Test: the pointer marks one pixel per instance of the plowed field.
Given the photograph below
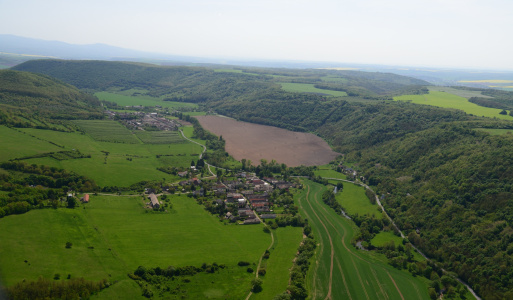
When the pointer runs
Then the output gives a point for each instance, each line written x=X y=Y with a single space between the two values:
x=255 y=142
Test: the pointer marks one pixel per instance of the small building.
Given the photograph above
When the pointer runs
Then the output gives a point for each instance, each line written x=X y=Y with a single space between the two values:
x=154 y=202
x=85 y=199
x=251 y=221
x=268 y=216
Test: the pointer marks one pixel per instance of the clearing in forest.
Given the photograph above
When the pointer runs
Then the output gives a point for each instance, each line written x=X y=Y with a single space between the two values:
x=256 y=142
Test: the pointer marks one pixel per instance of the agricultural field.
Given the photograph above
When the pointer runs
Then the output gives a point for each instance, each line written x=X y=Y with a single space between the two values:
x=342 y=272
x=354 y=201
x=256 y=142
x=127 y=100
x=160 y=137
x=309 y=88
x=113 y=235
x=107 y=131
x=276 y=279
x=447 y=100
x=109 y=164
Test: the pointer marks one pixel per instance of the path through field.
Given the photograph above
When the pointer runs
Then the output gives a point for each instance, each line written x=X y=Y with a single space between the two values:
x=342 y=272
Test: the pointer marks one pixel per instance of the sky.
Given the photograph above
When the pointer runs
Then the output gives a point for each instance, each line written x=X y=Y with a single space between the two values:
x=424 y=33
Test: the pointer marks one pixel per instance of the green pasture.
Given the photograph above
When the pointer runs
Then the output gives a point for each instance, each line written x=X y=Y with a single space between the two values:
x=17 y=143
x=108 y=131
x=286 y=242
x=113 y=235
x=354 y=201
x=111 y=164
x=385 y=237
x=309 y=88
x=351 y=273
x=188 y=131
x=495 y=131
x=126 y=100
x=328 y=172
x=447 y=100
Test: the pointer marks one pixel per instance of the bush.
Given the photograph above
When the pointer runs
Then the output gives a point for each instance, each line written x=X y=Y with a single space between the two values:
x=243 y=263
x=68 y=245
x=250 y=270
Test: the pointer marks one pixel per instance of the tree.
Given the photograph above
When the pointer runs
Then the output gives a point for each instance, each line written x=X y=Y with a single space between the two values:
x=503 y=112
x=257 y=285
x=71 y=202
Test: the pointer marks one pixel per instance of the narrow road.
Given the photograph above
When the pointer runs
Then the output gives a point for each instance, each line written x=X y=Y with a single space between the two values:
x=203 y=152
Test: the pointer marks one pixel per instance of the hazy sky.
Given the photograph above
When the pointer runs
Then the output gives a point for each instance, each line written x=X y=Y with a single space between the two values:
x=437 y=33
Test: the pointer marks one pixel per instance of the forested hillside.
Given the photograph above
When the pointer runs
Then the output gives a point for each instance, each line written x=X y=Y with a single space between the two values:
x=32 y=100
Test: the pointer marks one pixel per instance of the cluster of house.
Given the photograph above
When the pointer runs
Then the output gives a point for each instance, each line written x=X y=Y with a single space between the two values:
x=248 y=196
x=139 y=120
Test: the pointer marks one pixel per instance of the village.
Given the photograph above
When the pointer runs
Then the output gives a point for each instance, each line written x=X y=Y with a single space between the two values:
x=144 y=120
x=244 y=199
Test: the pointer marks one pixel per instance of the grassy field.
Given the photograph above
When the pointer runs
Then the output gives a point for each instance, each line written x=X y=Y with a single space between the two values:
x=16 y=143
x=123 y=165
x=342 y=272
x=113 y=235
x=447 y=100
x=309 y=88
x=327 y=172
x=384 y=237
x=107 y=131
x=286 y=242
x=125 y=100
x=354 y=201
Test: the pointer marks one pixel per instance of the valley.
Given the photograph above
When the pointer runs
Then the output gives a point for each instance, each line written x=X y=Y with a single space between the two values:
x=282 y=160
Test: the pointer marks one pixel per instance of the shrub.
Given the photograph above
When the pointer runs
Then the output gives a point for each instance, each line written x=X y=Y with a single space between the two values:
x=243 y=263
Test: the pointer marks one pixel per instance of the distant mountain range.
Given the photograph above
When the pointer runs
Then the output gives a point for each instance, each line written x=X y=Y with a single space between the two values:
x=15 y=50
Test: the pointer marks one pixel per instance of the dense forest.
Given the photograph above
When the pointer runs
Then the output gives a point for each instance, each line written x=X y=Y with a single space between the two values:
x=446 y=184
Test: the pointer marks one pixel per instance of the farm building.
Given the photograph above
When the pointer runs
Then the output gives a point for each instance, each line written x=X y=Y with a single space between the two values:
x=85 y=199
x=154 y=202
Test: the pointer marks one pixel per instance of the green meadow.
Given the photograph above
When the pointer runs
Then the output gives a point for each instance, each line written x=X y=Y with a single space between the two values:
x=354 y=201
x=385 y=237
x=309 y=88
x=113 y=235
x=110 y=163
x=327 y=172
x=342 y=272
x=126 y=100
x=276 y=279
x=447 y=100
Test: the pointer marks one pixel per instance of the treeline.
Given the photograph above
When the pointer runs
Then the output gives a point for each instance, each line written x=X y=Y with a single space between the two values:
x=75 y=288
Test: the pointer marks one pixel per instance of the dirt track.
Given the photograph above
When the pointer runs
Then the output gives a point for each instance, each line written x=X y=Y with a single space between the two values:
x=254 y=142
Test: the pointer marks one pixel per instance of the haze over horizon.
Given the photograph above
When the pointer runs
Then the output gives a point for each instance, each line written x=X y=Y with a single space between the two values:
x=436 y=33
